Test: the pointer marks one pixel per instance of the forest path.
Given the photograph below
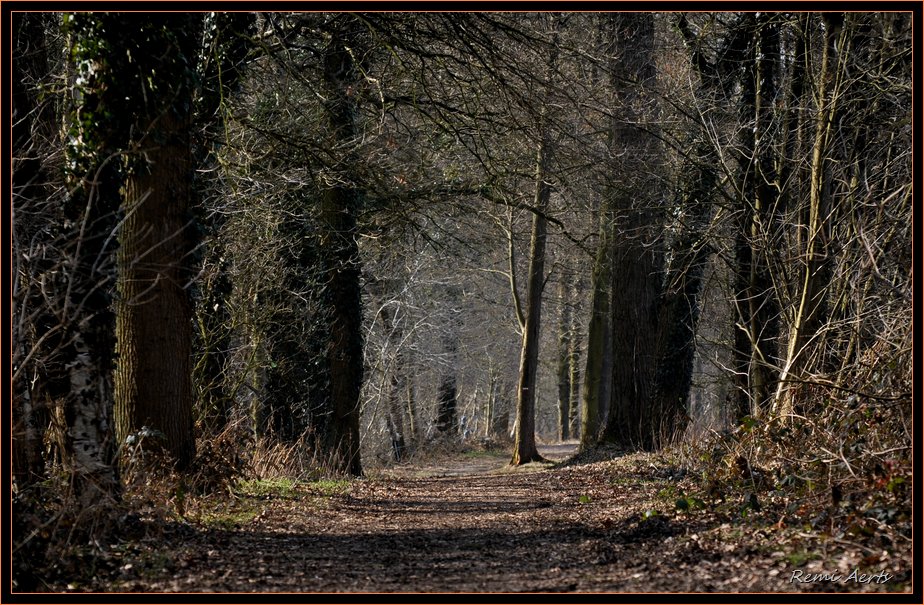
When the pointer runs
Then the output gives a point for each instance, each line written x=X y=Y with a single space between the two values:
x=473 y=524
x=480 y=462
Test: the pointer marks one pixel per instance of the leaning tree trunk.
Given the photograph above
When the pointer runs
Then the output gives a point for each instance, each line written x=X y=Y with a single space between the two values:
x=524 y=444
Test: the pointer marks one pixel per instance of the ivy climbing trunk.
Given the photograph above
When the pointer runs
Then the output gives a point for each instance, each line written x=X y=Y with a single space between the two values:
x=92 y=210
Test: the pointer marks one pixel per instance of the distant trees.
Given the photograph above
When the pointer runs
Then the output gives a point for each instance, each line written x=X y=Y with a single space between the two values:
x=227 y=43
x=569 y=378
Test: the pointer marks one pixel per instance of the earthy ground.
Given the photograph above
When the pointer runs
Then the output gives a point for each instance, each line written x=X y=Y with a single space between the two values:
x=470 y=523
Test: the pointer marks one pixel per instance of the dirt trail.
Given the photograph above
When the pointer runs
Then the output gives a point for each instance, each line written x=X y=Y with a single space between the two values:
x=471 y=524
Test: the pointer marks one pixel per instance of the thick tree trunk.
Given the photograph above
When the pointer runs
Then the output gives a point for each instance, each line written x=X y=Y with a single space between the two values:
x=154 y=316
x=679 y=307
x=344 y=351
x=635 y=293
x=339 y=207
x=678 y=312
x=637 y=262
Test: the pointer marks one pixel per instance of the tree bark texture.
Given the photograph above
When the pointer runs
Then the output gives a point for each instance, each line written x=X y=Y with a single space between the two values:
x=154 y=329
x=637 y=262
x=153 y=310
x=598 y=367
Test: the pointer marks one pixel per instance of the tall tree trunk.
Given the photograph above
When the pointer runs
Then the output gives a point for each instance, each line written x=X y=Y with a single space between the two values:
x=598 y=366
x=524 y=448
x=153 y=311
x=679 y=306
x=340 y=205
x=92 y=207
x=153 y=325
x=637 y=262
x=524 y=443
x=565 y=351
